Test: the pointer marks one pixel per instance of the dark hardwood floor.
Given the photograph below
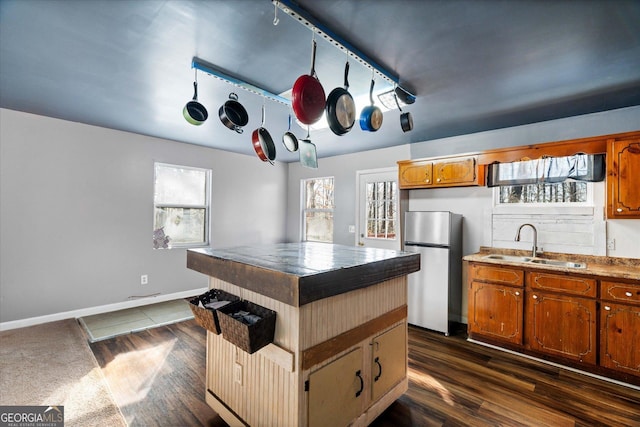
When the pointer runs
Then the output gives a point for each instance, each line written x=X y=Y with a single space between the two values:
x=157 y=377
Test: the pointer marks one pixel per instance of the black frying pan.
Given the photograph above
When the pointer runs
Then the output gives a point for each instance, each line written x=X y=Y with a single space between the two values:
x=341 y=109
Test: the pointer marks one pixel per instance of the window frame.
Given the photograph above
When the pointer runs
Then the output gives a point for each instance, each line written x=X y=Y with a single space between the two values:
x=206 y=206
x=304 y=209
x=551 y=207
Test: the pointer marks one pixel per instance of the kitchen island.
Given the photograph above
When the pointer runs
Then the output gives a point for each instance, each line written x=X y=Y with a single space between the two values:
x=339 y=353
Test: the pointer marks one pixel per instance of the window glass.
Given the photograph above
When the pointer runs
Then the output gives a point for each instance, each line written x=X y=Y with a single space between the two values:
x=181 y=206
x=318 y=210
x=381 y=209
x=561 y=192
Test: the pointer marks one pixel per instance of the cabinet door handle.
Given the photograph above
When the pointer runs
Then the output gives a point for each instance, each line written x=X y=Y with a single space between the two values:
x=438 y=179
x=535 y=297
x=517 y=293
x=377 y=377
x=629 y=294
x=358 y=374
x=606 y=307
x=619 y=209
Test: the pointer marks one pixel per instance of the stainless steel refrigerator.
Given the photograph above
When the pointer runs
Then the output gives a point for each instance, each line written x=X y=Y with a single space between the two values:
x=435 y=292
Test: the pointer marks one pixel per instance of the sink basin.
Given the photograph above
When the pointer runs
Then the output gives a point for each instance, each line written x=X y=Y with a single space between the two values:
x=514 y=258
x=570 y=264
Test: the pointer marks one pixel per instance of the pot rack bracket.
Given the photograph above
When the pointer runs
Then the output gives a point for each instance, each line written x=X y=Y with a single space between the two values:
x=212 y=70
x=292 y=9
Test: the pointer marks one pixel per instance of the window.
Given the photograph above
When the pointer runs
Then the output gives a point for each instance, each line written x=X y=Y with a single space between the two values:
x=381 y=210
x=181 y=206
x=318 y=210
x=560 y=192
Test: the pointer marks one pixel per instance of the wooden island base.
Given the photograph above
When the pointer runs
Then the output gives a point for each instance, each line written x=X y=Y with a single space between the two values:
x=335 y=361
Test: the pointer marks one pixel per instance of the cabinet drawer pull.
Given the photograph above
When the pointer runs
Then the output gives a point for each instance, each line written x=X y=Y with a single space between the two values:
x=438 y=179
x=377 y=377
x=517 y=293
x=606 y=307
x=361 y=383
x=619 y=209
x=428 y=181
x=629 y=294
x=535 y=297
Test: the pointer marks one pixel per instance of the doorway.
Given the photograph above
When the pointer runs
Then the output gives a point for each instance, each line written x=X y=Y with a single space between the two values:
x=378 y=213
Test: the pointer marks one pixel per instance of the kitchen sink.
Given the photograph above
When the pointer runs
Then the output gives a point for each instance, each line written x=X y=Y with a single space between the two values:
x=543 y=261
x=558 y=263
x=512 y=258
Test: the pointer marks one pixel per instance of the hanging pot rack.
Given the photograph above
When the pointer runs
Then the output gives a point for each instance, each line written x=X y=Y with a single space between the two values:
x=303 y=17
x=213 y=71
x=300 y=15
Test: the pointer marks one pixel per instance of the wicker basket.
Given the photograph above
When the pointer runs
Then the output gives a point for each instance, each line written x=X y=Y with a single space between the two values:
x=249 y=338
x=208 y=317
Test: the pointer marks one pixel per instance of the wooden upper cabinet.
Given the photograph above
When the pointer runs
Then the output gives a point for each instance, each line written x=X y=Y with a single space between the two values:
x=623 y=178
x=416 y=174
x=455 y=172
x=440 y=172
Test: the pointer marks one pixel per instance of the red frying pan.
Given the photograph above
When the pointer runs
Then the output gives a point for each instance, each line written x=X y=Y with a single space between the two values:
x=307 y=96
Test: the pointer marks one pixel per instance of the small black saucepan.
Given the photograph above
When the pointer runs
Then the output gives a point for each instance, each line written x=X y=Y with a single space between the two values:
x=341 y=109
x=371 y=116
x=289 y=140
x=194 y=112
x=233 y=115
x=406 y=121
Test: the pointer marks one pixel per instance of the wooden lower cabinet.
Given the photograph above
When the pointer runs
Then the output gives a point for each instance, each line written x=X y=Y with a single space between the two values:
x=495 y=302
x=574 y=319
x=561 y=325
x=389 y=360
x=337 y=392
x=620 y=326
x=495 y=311
x=620 y=337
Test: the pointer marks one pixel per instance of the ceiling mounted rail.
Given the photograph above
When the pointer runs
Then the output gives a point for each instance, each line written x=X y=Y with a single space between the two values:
x=210 y=69
x=294 y=10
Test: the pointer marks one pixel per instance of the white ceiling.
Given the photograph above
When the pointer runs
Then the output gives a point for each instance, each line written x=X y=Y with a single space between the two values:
x=474 y=65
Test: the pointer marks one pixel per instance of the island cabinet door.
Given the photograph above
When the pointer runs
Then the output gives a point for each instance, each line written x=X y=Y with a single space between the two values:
x=496 y=311
x=336 y=391
x=620 y=337
x=389 y=360
x=561 y=325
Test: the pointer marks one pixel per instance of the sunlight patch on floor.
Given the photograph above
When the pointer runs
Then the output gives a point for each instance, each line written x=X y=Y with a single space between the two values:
x=427 y=381
x=132 y=374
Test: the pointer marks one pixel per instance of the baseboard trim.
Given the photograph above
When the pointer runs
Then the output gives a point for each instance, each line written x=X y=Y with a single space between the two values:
x=557 y=365
x=15 y=324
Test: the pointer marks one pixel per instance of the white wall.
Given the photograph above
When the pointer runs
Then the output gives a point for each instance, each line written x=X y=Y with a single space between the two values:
x=76 y=213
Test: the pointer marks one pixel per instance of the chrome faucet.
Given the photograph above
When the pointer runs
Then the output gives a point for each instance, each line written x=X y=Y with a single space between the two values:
x=535 y=238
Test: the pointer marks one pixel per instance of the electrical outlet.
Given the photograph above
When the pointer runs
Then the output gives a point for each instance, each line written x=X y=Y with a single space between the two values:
x=144 y=279
x=352 y=229
x=611 y=244
x=237 y=373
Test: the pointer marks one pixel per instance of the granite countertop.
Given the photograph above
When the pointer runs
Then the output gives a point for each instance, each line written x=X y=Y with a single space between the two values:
x=601 y=266
x=299 y=273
